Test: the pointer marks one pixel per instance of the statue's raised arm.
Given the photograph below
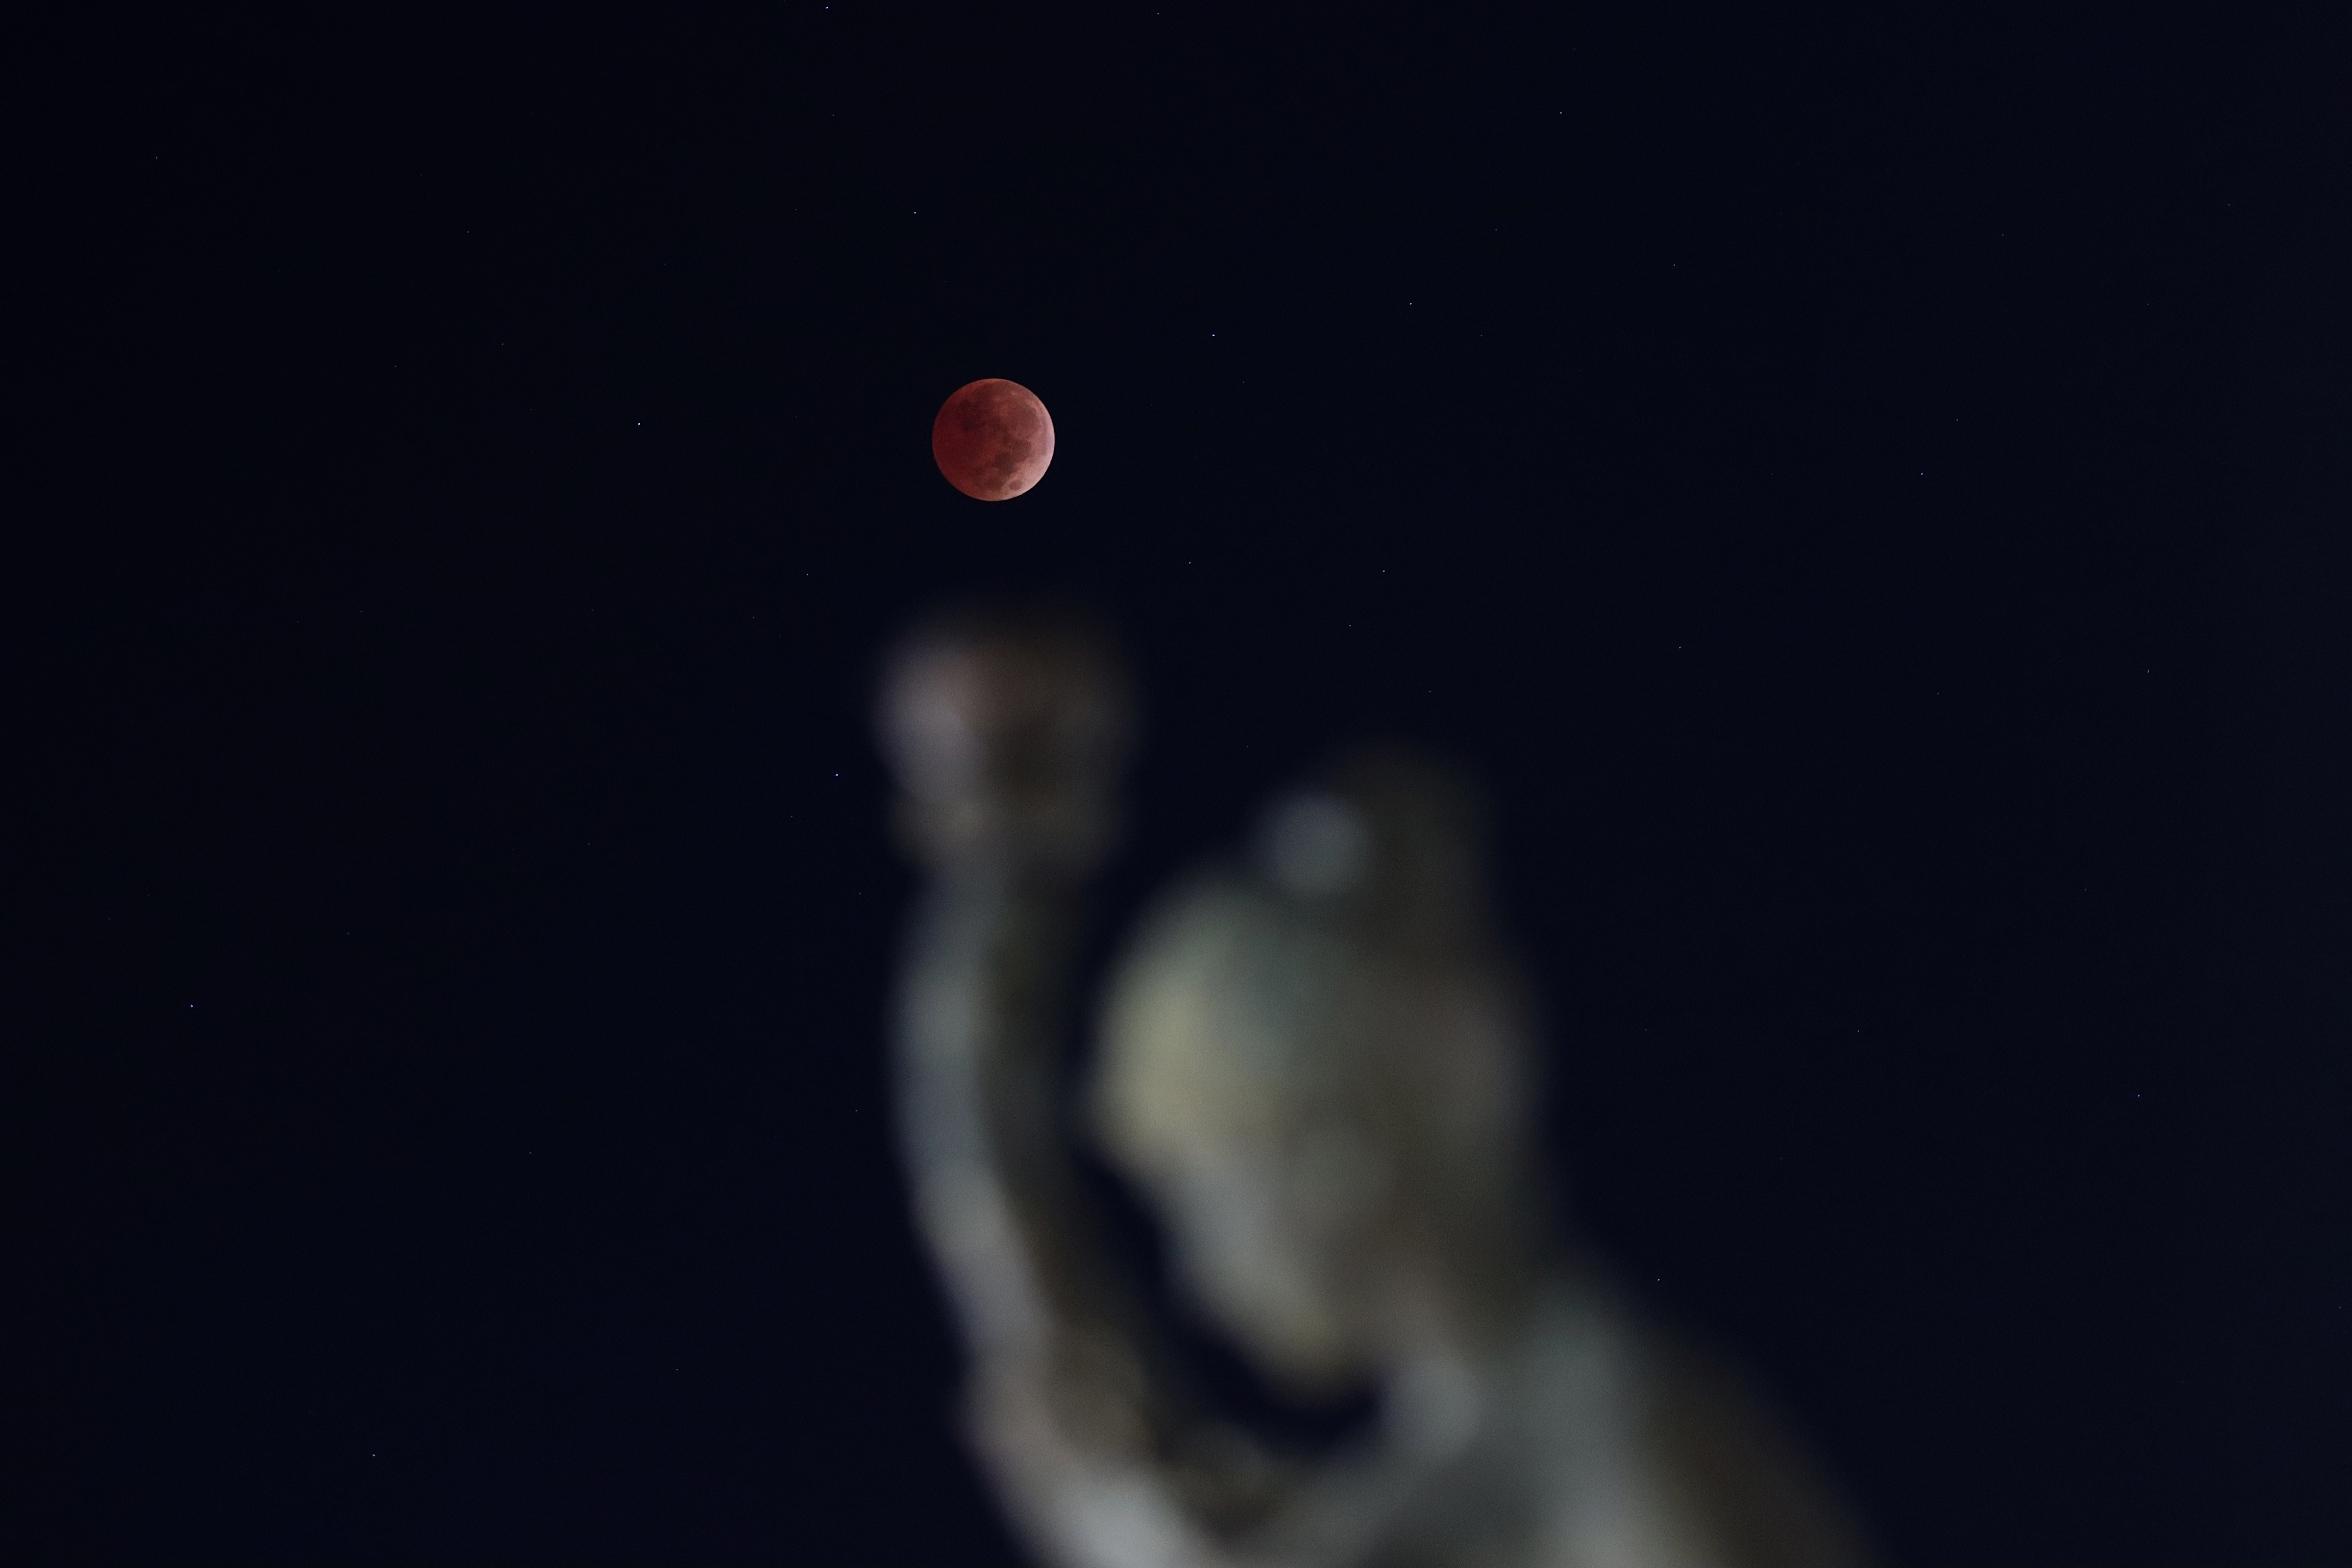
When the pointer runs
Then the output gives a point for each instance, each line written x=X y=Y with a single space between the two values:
x=1318 y=1063
x=1007 y=735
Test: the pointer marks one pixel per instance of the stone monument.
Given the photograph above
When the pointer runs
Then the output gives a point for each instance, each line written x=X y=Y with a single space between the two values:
x=1318 y=1063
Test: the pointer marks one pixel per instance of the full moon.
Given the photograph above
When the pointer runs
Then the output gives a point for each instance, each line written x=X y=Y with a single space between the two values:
x=993 y=439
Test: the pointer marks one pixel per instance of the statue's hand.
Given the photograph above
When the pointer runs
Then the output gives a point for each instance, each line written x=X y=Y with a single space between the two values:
x=1005 y=735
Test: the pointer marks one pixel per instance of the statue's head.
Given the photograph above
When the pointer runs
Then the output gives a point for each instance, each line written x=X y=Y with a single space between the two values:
x=1317 y=1065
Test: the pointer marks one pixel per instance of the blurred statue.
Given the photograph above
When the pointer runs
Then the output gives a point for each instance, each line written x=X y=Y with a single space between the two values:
x=1317 y=1065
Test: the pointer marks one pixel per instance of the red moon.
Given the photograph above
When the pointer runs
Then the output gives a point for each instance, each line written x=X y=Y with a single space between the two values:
x=993 y=439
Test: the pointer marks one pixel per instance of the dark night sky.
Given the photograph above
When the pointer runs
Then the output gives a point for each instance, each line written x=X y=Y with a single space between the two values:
x=1863 y=486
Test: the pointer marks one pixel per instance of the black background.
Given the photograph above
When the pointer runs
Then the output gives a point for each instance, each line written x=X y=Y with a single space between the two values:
x=1862 y=485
